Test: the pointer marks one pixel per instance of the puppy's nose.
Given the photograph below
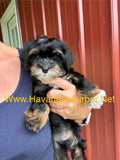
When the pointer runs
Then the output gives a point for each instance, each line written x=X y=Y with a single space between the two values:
x=45 y=70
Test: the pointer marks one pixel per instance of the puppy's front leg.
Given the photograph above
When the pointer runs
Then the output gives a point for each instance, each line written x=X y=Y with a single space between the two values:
x=36 y=116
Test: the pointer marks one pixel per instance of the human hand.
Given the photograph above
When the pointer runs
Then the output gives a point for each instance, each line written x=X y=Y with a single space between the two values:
x=68 y=109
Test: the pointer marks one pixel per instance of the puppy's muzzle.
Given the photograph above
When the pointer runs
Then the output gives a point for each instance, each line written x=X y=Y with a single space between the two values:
x=44 y=68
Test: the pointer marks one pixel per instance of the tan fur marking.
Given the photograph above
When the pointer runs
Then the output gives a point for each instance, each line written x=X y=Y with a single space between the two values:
x=36 y=120
x=37 y=89
x=70 y=76
x=89 y=94
x=95 y=91
x=78 y=153
x=33 y=69
x=57 y=51
x=51 y=74
x=57 y=69
x=75 y=139
x=34 y=51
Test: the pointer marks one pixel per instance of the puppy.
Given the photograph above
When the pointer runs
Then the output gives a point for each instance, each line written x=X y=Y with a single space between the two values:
x=46 y=59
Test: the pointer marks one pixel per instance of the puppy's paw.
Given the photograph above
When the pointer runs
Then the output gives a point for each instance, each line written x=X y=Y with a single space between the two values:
x=36 y=120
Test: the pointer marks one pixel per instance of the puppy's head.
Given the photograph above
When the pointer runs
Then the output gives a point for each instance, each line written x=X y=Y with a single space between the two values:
x=46 y=58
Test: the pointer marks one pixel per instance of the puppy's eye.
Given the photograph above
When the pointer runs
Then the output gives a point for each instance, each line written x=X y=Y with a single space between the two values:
x=37 y=56
x=52 y=64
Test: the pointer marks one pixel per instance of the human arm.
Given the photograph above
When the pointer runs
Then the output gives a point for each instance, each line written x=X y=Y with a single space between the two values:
x=10 y=70
x=7 y=52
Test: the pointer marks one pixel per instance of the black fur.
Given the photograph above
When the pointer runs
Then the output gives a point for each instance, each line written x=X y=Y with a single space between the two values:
x=45 y=54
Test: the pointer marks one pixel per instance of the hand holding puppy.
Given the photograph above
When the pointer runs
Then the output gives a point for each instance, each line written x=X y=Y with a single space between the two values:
x=68 y=110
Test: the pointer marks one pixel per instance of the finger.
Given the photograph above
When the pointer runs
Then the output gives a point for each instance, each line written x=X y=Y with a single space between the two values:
x=52 y=109
x=61 y=83
x=57 y=105
x=55 y=110
x=55 y=93
x=79 y=121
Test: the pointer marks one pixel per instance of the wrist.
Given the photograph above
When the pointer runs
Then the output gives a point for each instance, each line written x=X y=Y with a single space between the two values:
x=86 y=120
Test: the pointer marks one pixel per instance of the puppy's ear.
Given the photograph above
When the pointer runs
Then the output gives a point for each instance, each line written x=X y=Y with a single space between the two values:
x=24 y=55
x=34 y=51
x=69 y=58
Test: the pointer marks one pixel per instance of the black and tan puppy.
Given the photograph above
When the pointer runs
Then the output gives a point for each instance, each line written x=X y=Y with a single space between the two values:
x=46 y=59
